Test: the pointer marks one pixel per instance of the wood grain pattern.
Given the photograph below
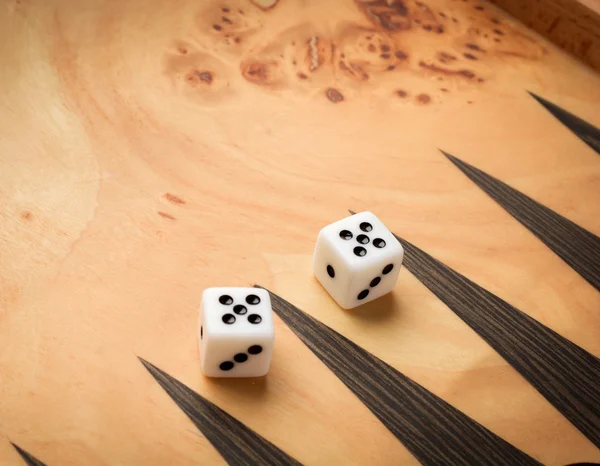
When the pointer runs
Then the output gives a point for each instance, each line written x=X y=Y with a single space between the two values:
x=574 y=25
x=29 y=459
x=565 y=374
x=575 y=245
x=434 y=431
x=238 y=444
x=150 y=149
x=588 y=133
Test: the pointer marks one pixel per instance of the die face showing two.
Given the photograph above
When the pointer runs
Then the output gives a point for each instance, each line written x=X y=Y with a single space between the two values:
x=357 y=259
x=235 y=332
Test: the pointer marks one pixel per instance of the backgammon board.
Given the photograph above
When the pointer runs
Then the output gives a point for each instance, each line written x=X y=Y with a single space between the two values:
x=152 y=149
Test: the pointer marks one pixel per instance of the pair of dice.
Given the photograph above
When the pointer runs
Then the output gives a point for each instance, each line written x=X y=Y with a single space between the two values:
x=356 y=259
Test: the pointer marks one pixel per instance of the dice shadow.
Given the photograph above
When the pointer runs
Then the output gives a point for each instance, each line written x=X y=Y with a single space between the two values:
x=378 y=310
x=246 y=388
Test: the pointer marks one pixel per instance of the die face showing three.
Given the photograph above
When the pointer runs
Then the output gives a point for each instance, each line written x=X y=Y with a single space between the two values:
x=357 y=259
x=235 y=332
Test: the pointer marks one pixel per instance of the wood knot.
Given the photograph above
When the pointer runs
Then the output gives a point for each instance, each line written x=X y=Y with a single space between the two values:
x=334 y=95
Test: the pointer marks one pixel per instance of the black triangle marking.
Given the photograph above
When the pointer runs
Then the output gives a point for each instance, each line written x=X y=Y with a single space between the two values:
x=29 y=459
x=575 y=245
x=564 y=373
x=585 y=131
x=435 y=432
x=237 y=444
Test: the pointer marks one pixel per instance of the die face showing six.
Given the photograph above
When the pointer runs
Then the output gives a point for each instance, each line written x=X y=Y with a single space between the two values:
x=357 y=259
x=235 y=332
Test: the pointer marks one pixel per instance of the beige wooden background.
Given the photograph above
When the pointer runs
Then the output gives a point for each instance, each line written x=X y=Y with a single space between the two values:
x=150 y=149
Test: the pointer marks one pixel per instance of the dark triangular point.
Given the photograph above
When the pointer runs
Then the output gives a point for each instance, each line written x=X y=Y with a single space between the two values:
x=238 y=444
x=29 y=459
x=435 y=432
x=575 y=245
x=587 y=133
x=565 y=374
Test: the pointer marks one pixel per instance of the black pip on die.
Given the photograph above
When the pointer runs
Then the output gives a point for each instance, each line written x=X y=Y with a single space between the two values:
x=357 y=259
x=235 y=332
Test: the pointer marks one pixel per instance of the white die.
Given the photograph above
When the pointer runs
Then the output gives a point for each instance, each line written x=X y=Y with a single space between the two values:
x=357 y=259
x=235 y=332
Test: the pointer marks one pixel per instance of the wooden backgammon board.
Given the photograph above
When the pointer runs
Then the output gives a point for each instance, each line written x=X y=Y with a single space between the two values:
x=152 y=149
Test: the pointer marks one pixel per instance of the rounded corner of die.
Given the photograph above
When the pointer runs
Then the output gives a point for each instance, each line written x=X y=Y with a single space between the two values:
x=262 y=373
x=208 y=292
x=261 y=293
x=209 y=374
x=400 y=250
x=321 y=235
x=364 y=215
x=347 y=306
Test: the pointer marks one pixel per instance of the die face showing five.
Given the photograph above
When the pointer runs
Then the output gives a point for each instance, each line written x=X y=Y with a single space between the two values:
x=235 y=332
x=357 y=259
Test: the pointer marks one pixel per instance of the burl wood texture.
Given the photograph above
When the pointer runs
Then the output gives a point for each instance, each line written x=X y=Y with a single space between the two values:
x=150 y=149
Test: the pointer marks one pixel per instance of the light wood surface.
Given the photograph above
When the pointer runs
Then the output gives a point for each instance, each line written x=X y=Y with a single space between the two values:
x=593 y=5
x=146 y=154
